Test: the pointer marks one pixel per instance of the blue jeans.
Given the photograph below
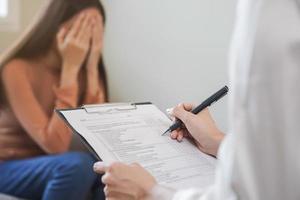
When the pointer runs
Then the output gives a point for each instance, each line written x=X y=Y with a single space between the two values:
x=55 y=177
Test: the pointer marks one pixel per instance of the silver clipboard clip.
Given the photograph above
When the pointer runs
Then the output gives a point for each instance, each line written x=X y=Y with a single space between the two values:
x=109 y=107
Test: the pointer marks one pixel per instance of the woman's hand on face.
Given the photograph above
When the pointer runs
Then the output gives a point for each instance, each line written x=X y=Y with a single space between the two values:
x=201 y=128
x=96 y=42
x=73 y=44
x=121 y=180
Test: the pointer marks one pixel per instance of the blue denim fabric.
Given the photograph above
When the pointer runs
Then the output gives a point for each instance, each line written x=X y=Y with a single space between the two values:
x=54 y=177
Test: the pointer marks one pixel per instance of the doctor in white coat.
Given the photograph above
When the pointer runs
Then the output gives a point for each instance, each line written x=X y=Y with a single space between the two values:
x=260 y=158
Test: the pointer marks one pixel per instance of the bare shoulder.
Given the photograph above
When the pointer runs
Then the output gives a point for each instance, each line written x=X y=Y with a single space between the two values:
x=15 y=71
x=15 y=68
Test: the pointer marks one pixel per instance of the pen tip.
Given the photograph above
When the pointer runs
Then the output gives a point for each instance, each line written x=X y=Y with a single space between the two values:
x=166 y=132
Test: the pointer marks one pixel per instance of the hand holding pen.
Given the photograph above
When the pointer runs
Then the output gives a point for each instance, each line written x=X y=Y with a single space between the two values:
x=200 y=128
x=198 y=125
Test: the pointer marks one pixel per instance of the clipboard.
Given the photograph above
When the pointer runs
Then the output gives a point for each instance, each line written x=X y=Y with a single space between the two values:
x=92 y=109
x=131 y=132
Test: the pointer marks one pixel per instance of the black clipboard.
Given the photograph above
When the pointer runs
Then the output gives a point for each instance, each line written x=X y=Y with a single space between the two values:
x=83 y=140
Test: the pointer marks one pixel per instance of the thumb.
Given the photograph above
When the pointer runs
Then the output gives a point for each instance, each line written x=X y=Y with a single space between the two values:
x=100 y=167
x=180 y=113
x=61 y=35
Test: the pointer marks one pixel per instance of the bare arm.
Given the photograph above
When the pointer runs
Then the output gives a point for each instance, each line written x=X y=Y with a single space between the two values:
x=49 y=133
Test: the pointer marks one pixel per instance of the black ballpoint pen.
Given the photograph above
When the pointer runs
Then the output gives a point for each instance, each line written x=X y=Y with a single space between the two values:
x=208 y=102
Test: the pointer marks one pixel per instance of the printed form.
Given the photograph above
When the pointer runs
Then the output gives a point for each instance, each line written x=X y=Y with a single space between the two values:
x=135 y=135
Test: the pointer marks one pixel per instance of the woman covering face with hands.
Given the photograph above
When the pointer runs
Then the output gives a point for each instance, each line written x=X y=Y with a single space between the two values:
x=79 y=42
x=56 y=64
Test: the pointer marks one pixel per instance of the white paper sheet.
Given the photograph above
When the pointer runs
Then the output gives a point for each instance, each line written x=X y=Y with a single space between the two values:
x=134 y=135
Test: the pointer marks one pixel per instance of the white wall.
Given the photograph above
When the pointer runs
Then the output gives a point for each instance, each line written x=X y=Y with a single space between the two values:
x=168 y=51
x=27 y=10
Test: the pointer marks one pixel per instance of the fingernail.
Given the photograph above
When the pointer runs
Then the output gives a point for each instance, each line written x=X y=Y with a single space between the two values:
x=98 y=165
x=170 y=110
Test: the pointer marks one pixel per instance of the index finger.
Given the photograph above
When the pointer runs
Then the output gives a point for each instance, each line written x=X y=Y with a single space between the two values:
x=182 y=114
x=185 y=106
x=188 y=106
x=76 y=27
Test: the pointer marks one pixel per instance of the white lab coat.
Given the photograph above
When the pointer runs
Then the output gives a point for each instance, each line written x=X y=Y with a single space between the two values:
x=260 y=157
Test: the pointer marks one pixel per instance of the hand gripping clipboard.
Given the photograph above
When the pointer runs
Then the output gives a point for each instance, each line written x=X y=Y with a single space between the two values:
x=93 y=108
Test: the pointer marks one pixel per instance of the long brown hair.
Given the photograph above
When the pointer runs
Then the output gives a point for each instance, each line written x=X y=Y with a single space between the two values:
x=43 y=34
